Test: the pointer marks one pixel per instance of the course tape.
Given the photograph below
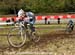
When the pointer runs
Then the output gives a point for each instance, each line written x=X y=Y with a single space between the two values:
x=43 y=17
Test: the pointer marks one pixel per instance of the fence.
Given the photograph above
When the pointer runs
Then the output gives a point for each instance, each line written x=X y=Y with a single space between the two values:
x=41 y=19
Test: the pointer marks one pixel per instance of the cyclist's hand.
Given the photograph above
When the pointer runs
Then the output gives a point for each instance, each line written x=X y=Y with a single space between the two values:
x=28 y=24
x=16 y=24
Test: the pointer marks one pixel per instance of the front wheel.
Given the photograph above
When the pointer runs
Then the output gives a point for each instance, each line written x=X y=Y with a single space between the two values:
x=16 y=37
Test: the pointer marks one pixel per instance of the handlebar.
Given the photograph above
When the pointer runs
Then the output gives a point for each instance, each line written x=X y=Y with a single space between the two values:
x=19 y=24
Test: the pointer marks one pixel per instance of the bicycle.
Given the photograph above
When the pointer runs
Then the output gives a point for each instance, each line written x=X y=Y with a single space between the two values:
x=17 y=36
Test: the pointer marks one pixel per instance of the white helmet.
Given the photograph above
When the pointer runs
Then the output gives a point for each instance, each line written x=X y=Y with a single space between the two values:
x=21 y=13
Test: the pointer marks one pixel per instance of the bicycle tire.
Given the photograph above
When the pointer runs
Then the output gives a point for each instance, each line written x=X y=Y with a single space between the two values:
x=35 y=36
x=22 y=36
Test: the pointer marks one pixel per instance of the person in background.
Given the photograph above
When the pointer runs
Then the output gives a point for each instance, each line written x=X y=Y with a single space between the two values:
x=58 y=20
x=7 y=21
x=71 y=24
x=45 y=20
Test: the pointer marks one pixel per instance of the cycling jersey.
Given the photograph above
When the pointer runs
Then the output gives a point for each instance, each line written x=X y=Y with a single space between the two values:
x=31 y=17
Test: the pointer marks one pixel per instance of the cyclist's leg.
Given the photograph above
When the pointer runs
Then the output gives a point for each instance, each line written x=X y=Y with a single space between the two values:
x=32 y=28
x=34 y=35
x=25 y=24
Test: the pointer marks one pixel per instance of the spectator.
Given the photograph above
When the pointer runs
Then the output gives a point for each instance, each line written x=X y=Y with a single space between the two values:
x=7 y=21
x=45 y=20
x=12 y=20
x=48 y=21
x=58 y=20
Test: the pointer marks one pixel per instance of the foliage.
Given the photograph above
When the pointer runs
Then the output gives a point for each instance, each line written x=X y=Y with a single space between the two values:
x=37 y=6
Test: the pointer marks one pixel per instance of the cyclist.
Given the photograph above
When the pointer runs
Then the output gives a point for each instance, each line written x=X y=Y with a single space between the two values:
x=28 y=18
x=71 y=24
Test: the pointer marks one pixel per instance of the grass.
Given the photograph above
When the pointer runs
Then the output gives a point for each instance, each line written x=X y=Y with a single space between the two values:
x=48 y=25
x=41 y=28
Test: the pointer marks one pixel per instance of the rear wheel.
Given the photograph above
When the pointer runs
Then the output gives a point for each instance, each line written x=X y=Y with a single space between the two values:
x=16 y=37
x=35 y=36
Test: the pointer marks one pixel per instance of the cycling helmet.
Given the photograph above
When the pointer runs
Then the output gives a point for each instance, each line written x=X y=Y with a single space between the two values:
x=21 y=13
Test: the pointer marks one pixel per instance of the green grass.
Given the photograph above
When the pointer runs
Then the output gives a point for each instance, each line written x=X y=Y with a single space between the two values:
x=52 y=26
x=41 y=28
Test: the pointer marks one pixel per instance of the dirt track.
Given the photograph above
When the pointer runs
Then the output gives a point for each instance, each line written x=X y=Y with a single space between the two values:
x=55 y=42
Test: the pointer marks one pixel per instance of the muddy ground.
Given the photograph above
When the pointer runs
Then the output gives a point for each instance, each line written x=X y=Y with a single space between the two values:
x=58 y=42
